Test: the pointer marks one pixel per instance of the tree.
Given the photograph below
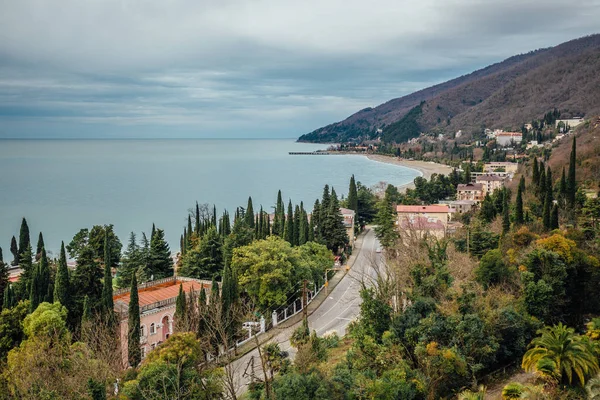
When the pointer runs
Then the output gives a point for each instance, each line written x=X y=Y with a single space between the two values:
x=94 y=239
x=279 y=217
x=505 y=213
x=558 y=354
x=554 y=217
x=288 y=230
x=23 y=285
x=4 y=282
x=40 y=246
x=87 y=278
x=134 y=354
x=386 y=229
x=11 y=327
x=87 y=311
x=562 y=189
x=161 y=263
x=14 y=249
x=536 y=172
x=519 y=215
x=249 y=216
x=180 y=310
x=572 y=179
x=334 y=232
x=107 y=287
x=24 y=240
x=40 y=283
x=492 y=269
x=488 y=211
x=133 y=260
x=205 y=260
x=353 y=195
x=62 y=287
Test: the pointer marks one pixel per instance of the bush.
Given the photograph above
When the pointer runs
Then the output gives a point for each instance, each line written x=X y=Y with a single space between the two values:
x=492 y=269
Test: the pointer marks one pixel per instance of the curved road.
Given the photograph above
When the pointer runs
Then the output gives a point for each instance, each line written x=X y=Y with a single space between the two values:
x=333 y=315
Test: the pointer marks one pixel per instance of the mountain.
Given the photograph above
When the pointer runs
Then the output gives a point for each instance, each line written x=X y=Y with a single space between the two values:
x=503 y=95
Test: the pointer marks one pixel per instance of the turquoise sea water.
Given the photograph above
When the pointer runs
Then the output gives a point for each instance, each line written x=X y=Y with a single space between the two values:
x=61 y=186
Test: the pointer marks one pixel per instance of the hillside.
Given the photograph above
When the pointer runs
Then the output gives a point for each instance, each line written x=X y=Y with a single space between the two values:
x=503 y=95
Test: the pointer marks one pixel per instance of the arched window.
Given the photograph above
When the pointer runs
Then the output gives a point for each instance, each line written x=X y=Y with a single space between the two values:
x=152 y=329
x=142 y=330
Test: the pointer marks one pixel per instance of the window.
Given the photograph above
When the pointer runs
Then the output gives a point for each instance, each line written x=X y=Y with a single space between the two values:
x=143 y=352
x=153 y=346
x=142 y=330
x=152 y=329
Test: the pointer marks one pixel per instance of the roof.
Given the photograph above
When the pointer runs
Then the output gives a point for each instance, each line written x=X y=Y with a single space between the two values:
x=461 y=202
x=509 y=134
x=489 y=178
x=422 y=223
x=160 y=292
x=469 y=186
x=347 y=211
x=423 y=209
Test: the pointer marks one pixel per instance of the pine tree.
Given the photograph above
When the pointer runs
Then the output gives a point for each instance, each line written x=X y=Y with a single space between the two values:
x=353 y=195
x=536 y=172
x=554 y=217
x=107 y=288
x=335 y=235
x=288 y=230
x=134 y=355
x=572 y=179
x=87 y=278
x=24 y=240
x=161 y=263
x=505 y=213
x=62 y=287
x=385 y=219
x=519 y=217
x=40 y=246
x=14 y=249
x=249 y=216
x=180 y=310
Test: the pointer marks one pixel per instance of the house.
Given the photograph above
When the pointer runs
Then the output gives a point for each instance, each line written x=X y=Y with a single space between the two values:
x=423 y=220
x=569 y=123
x=490 y=182
x=470 y=191
x=349 y=223
x=460 y=206
x=505 y=166
x=157 y=307
x=504 y=139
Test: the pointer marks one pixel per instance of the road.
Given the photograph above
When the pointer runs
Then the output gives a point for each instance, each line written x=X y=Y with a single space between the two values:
x=340 y=307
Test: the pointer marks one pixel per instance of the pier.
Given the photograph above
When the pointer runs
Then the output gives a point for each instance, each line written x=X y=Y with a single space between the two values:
x=309 y=153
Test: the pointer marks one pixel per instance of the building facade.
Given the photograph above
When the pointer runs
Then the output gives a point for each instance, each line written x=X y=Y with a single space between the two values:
x=490 y=182
x=423 y=220
x=157 y=309
x=506 y=139
x=470 y=191
x=349 y=223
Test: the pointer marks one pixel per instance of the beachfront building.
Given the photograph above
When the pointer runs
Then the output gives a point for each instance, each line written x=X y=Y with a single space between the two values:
x=501 y=166
x=157 y=308
x=470 y=191
x=490 y=182
x=506 y=139
x=420 y=221
x=460 y=206
x=349 y=223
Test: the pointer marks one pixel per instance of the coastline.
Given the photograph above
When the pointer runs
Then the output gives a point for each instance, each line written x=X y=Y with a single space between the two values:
x=425 y=168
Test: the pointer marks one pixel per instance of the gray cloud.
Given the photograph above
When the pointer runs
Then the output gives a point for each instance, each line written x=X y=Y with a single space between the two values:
x=247 y=67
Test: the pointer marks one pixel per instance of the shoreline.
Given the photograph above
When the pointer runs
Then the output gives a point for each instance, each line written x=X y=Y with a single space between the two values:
x=424 y=168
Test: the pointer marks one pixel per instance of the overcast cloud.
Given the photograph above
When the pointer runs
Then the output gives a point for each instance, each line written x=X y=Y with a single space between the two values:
x=247 y=68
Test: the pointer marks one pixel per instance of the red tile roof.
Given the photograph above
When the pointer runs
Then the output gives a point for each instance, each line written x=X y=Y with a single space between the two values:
x=469 y=186
x=423 y=209
x=168 y=290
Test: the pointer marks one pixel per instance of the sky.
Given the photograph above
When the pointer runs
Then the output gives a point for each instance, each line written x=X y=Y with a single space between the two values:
x=247 y=68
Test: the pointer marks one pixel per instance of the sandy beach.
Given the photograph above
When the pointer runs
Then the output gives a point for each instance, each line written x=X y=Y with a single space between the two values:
x=426 y=168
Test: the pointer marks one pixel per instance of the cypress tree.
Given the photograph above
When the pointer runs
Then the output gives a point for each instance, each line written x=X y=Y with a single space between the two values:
x=266 y=225
x=134 y=354
x=276 y=216
x=288 y=231
x=519 y=217
x=542 y=184
x=487 y=211
x=197 y=217
x=214 y=216
x=562 y=189
x=249 y=216
x=182 y=243
x=550 y=184
x=324 y=209
x=38 y=289
x=260 y=225
x=546 y=212
x=14 y=249
x=4 y=283
x=27 y=271
x=215 y=296
x=62 y=288
x=7 y=298
x=107 y=288
x=24 y=240
x=536 y=172
x=572 y=179
x=505 y=213
x=522 y=184
x=188 y=232
x=40 y=246
x=87 y=309
x=554 y=217
x=314 y=221
x=202 y=307
x=353 y=195
x=152 y=233
x=226 y=224
x=296 y=230
x=180 y=309
x=468 y=173
x=303 y=227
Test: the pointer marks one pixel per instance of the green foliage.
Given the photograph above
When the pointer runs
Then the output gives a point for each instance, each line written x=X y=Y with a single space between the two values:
x=160 y=261
x=512 y=391
x=11 y=327
x=48 y=320
x=296 y=386
x=353 y=195
x=135 y=260
x=492 y=269
x=375 y=314
x=40 y=289
x=560 y=354
x=385 y=220
x=134 y=355
x=94 y=239
x=62 y=286
x=24 y=240
x=404 y=129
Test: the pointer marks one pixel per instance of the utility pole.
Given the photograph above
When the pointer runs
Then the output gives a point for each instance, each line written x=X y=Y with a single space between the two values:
x=304 y=300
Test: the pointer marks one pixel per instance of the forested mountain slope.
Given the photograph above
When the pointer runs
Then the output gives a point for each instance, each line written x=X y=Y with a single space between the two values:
x=503 y=95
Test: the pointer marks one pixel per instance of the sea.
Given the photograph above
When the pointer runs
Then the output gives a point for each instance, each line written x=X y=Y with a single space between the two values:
x=62 y=186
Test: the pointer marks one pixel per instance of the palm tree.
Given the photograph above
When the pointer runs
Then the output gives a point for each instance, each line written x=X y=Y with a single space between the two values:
x=593 y=388
x=534 y=392
x=559 y=353
x=468 y=395
x=512 y=391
